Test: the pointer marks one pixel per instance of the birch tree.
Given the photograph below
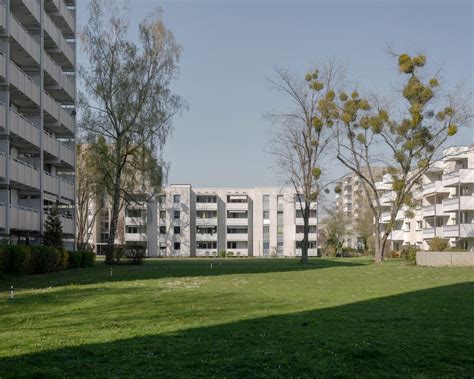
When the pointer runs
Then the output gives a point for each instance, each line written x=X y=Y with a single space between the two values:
x=127 y=98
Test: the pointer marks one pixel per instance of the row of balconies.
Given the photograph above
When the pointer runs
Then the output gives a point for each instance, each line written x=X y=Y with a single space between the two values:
x=23 y=218
x=28 y=131
x=57 y=37
x=462 y=176
x=28 y=87
x=449 y=205
x=450 y=231
x=29 y=176
x=62 y=10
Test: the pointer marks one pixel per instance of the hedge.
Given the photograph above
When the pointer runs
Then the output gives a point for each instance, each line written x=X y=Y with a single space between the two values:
x=20 y=259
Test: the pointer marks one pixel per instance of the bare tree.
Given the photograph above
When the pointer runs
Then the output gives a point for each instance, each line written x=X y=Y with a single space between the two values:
x=302 y=134
x=128 y=101
x=408 y=141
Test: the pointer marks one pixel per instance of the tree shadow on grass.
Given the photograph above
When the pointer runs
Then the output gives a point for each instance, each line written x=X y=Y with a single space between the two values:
x=172 y=268
x=427 y=333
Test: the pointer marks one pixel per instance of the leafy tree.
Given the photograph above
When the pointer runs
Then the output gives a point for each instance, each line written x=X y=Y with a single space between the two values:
x=408 y=140
x=53 y=229
x=128 y=104
x=335 y=225
x=302 y=135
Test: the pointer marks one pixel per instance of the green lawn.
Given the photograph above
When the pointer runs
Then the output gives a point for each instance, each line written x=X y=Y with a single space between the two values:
x=243 y=318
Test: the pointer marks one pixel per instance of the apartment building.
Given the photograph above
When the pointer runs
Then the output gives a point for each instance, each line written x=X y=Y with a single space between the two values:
x=37 y=116
x=197 y=222
x=445 y=204
x=351 y=200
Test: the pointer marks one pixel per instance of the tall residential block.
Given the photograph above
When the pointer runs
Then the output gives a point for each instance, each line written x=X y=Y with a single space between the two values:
x=37 y=116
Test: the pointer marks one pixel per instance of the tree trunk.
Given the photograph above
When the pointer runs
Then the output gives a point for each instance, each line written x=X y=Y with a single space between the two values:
x=304 y=244
x=378 y=244
x=110 y=258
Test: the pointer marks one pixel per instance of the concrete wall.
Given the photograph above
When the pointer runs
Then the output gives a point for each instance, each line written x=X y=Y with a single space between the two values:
x=444 y=258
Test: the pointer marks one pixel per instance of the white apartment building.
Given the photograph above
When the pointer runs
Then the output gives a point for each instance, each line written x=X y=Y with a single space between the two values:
x=199 y=222
x=37 y=109
x=445 y=201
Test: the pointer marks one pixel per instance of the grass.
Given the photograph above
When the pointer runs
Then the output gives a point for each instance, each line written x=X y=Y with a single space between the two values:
x=242 y=318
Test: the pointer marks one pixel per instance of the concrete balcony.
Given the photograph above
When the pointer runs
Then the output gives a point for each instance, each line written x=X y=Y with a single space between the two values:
x=206 y=252
x=239 y=252
x=434 y=187
x=2 y=63
x=34 y=8
x=134 y=221
x=311 y=236
x=387 y=198
x=55 y=41
x=22 y=218
x=24 y=173
x=24 y=39
x=237 y=237
x=433 y=232
x=462 y=203
x=432 y=210
x=63 y=16
x=237 y=221
x=67 y=223
x=21 y=127
x=66 y=82
x=458 y=231
x=58 y=113
x=312 y=221
x=2 y=215
x=66 y=154
x=66 y=189
x=462 y=176
x=206 y=206
x=206 y=221
x=385 y=219
x=397 y=235
x=50 y=144
x=23 y=83
x=237 y=206
x=135 y=237
x=311 y=252
x=204 y=237
x=3 y=16
x=50 y=183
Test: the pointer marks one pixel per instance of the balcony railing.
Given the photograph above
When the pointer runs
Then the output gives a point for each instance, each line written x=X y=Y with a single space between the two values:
x=24 y=39
x=26 y=85
x=2 y=165
x=23 y=218
x=2 y=215
x=2 y=63
x=57 y=37
x=462 y=176
x=62 y=79
x=237 y=237
x=23 y=128
x=66 y=14
x=24 y=173
x=34 y=8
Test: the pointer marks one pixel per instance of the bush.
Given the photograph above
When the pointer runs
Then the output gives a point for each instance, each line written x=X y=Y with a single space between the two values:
x=75 y=259
x=408 y=254
x=63 y=262
x=222 y=254
x=15 y=259
x=230 y=254
x=392 y=254
x=88 y=259
x=135 y=254
x=44 y=259
x=438 y=244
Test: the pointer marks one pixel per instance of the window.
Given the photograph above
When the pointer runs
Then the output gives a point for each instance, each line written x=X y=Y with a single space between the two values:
x=266 y=215
x=162 y=214
x=266 y=202
x=237 y=230
x=132 y=229
x=206 y=245
x=206 y=199
x=206 y=214
x=176 y=199
x=231 y=245
x=177 y=215
x=237 y=199
x=237 y=214
x=162 y=229
x=161 y=199
x=280 y=230
x=407 y=226
x=177 y=230
x=206 y=230
x=135 y=212
x=312 y=213
x=419 y=225
x=463 y=217
x=177 y=246
x=280 y=202
x=280 y=218
x=312 y=244
x=162 y=245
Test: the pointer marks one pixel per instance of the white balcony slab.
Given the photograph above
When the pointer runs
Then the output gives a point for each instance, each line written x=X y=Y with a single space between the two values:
x=22 y=218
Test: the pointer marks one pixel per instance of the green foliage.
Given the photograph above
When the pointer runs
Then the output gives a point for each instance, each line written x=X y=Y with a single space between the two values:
x=135 y=254
x=438 y=244
x=337 y=189
x=53 y=229
x=316 y=173
x=230 y=254
x=222 y=254
x=75 y=259
x=452 y=130
x=44 y=259
x=15 y=259
x=408 y=254
x=88 y=258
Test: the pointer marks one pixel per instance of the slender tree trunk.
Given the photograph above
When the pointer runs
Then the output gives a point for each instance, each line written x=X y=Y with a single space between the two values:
x=304 y=244
x=378 y=242
x=115 y=207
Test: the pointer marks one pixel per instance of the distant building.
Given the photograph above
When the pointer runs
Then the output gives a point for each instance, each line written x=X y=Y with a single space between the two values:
x=191 y=222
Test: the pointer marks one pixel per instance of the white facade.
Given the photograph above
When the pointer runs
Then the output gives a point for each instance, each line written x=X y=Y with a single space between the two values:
x=200 y=222
x=37 y=108
x=445 y=204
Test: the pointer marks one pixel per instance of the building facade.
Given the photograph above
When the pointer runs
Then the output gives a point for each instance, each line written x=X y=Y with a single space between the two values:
x=37 y=116
x=198 y=222
x=444 y=204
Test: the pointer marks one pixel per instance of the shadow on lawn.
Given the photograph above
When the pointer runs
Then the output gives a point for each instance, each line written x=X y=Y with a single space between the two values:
x=426 y=333
x=171 y=268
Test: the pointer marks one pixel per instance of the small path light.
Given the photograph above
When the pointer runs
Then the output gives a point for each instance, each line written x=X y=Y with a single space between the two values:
x=111 y=272
x=12 y=293
x=211 y=265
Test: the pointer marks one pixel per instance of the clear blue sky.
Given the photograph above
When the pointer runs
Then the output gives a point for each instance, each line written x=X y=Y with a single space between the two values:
x=231 y=47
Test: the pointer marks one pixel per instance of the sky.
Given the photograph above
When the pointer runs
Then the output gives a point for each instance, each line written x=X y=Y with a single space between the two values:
x=231 y=48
